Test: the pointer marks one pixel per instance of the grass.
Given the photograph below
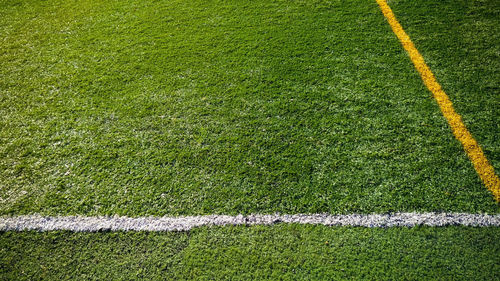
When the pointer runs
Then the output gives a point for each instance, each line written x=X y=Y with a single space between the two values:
x=199 y=107
x=279 y=252
x=460 y=41
x=153 y=108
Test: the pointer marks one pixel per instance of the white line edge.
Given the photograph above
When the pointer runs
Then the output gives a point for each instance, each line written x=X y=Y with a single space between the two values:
x=185 y=223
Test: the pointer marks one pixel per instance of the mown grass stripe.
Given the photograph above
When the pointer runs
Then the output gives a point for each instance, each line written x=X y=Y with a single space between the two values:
x=474 y=151
x=116 y=223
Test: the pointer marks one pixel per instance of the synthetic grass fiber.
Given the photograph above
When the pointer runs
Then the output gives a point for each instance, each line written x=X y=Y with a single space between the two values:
x=280 y=252
x=139 y=108
x=200 y=107
x=460 y=41
x=470 y=145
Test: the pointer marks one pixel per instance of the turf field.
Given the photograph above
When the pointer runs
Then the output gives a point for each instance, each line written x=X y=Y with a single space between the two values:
x=286 y=252
x=168 y=108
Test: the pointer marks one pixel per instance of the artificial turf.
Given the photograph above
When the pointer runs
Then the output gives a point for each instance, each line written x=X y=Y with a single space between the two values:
x=460 y=41
x=199 y=107
x=279 y=252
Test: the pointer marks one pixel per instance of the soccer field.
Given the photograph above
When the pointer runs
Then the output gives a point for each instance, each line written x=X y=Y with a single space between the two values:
x=199 y=108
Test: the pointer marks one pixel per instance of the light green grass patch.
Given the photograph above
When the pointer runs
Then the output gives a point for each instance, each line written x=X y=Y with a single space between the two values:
x=200 y=107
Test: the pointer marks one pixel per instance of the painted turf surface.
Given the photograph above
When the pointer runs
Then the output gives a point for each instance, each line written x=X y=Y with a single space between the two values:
x=476 y=155
x=467 y=33
x=167 y=108
x=284 y=251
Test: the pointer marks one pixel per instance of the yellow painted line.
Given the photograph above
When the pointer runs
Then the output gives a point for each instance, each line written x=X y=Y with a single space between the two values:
x=474 y=151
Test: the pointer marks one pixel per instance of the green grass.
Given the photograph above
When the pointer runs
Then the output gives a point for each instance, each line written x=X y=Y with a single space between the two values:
x=198 y=107
x=280 y=252
x=460 y=41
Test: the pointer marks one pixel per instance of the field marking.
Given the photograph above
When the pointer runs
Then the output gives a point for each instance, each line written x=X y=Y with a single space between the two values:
x=474 y=151
x=116 y=223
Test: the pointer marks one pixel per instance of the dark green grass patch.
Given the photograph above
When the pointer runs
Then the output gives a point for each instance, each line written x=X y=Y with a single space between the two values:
x=460 y=41
x=199 y=107
x=280 y=252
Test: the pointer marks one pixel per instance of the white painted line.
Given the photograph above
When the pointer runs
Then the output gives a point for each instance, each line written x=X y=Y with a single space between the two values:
x=116 y=223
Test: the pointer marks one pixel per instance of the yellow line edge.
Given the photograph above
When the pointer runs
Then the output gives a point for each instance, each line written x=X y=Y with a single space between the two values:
x=471 y=147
